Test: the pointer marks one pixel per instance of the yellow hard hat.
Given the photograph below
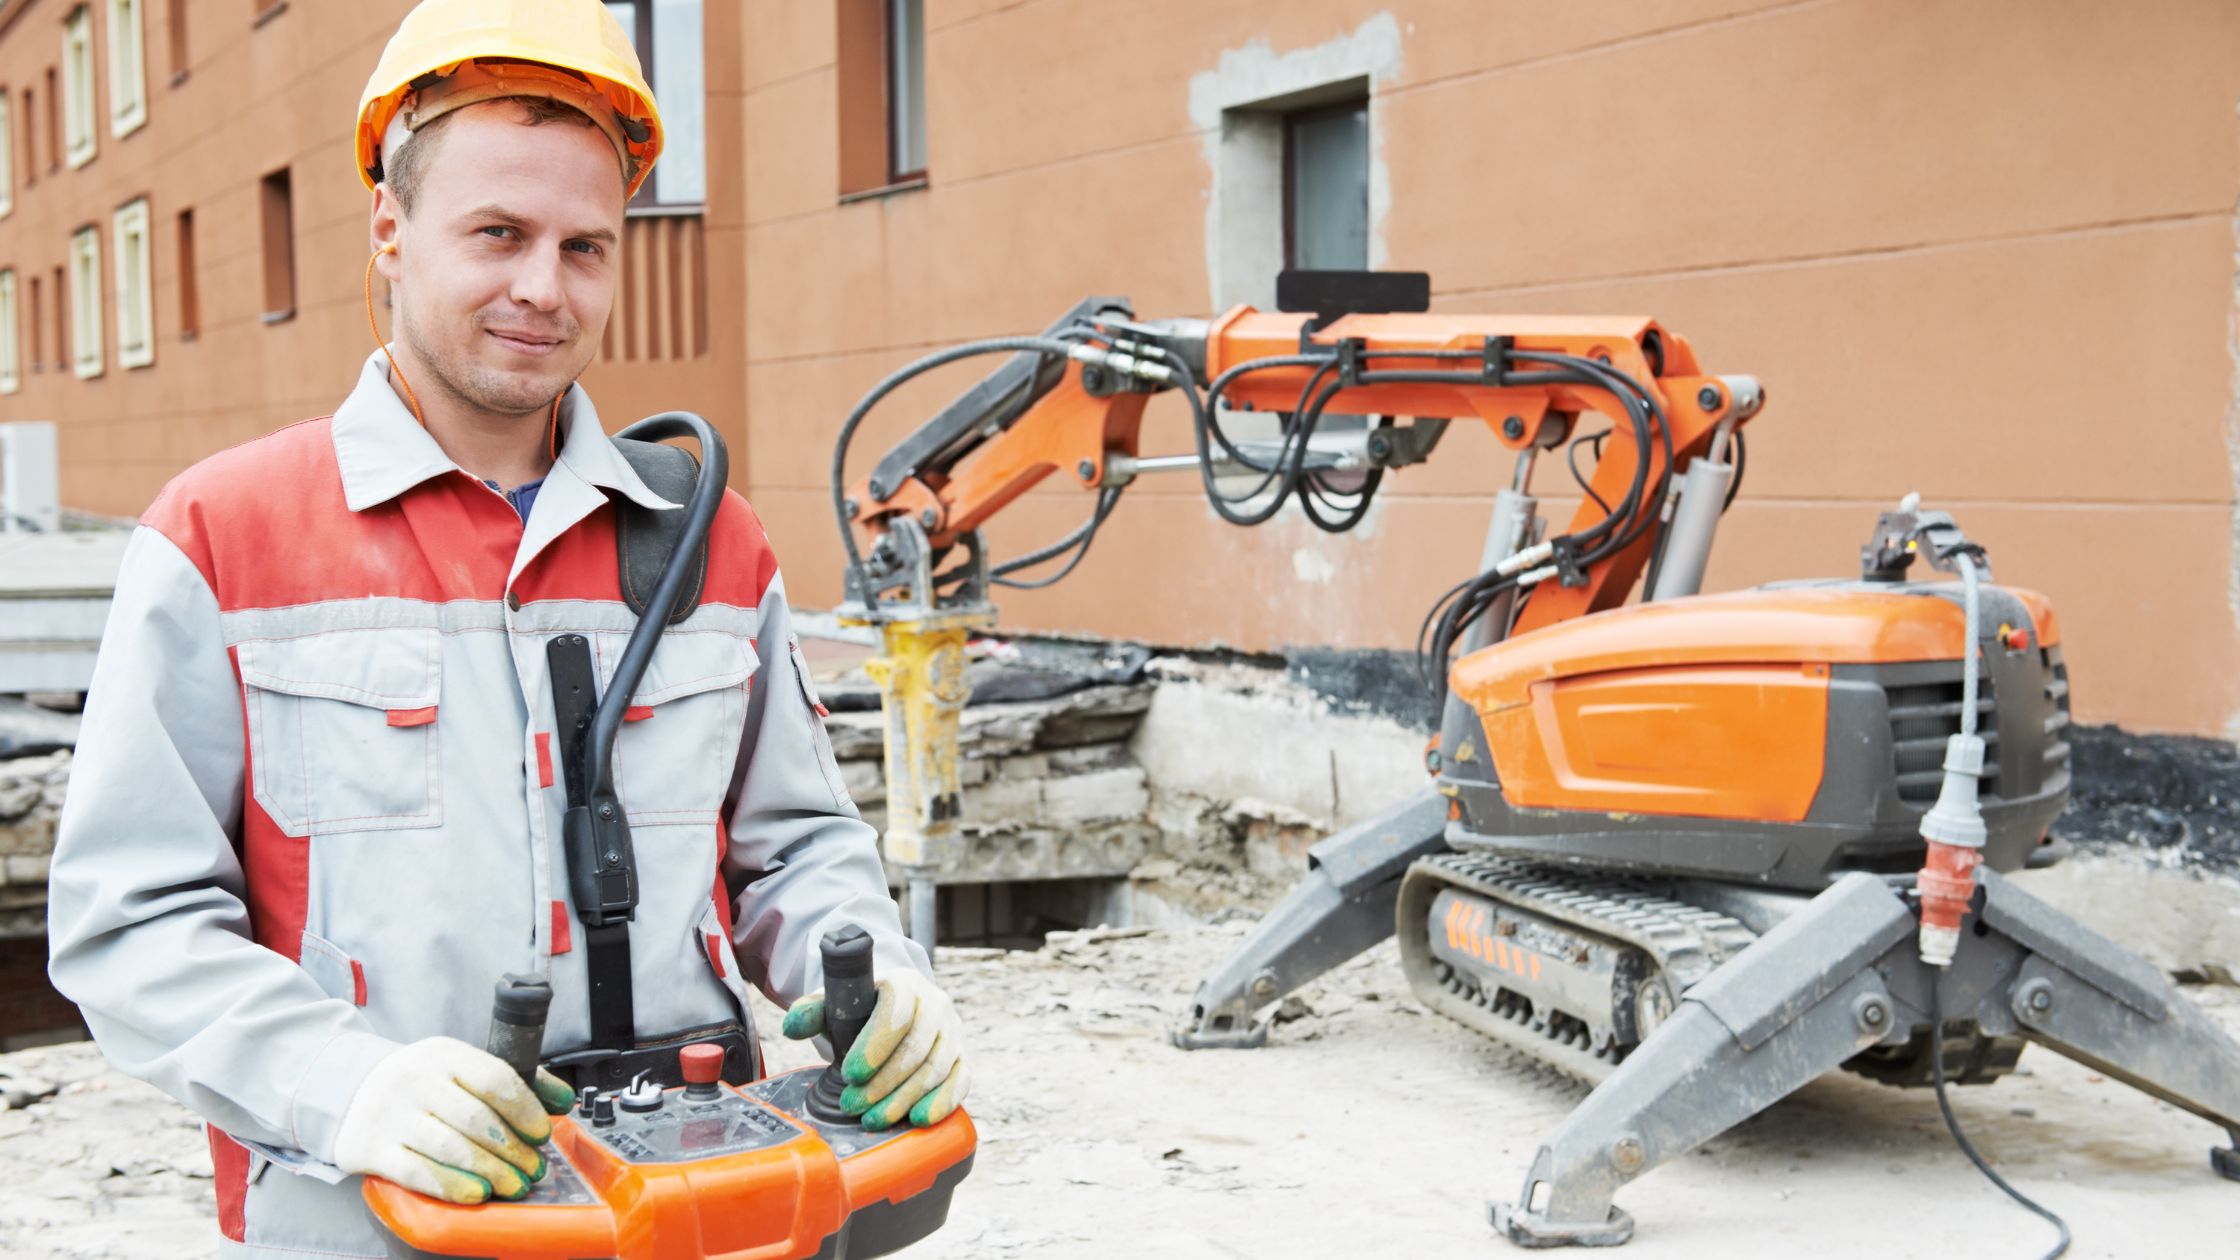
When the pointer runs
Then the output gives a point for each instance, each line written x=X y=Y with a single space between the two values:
x=447 y=54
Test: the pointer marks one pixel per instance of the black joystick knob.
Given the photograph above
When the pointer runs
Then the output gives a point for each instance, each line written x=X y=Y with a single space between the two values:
x=849 y=994
x=517 y=1023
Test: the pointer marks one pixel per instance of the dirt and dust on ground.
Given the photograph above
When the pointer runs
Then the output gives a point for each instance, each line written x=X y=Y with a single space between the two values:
x=1366 y=1128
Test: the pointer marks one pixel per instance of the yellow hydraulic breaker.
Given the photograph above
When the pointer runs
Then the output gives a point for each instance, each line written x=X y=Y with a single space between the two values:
x=922 y=692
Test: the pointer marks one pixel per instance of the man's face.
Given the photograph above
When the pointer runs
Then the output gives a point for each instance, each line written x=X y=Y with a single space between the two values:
x=505 y=268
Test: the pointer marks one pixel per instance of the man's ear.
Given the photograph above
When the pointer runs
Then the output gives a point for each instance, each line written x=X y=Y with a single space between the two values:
x=385 y=231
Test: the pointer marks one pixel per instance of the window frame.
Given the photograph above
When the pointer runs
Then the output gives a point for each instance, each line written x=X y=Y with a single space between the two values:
x=81 y=139
x=645 y=30
x=175 y=34
x=1292 y=121
x=11 y=332
x=276 y=216
x=134 y=264
x=128 y=40
x=7 y=152
x=88 y=350
x=894 y=103
x=190 y=289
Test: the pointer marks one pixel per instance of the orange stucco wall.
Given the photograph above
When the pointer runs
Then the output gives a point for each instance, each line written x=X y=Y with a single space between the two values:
x=1983 y=249
x=1979 y=250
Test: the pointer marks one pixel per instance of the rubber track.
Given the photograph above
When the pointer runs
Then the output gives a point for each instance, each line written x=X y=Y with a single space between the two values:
x=1685 y=942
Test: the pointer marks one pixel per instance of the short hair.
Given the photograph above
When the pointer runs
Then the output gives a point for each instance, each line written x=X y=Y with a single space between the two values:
x=408 y=165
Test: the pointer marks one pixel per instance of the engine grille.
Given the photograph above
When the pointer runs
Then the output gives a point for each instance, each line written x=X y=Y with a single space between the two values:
x=2057 y=722
x=1923 y=716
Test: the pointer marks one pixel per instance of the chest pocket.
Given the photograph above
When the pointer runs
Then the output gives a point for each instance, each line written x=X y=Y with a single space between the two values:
x=342 y=729
x=680 y=739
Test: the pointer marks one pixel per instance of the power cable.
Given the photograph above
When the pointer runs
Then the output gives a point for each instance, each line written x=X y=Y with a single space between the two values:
x=1952 y=1123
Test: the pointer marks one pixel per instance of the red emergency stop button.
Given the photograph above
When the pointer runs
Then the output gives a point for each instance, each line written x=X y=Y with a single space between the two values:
x=2017 y=639
x=702 y=1063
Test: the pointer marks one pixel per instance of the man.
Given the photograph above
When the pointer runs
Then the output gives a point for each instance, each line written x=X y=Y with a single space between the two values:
x=315 y=812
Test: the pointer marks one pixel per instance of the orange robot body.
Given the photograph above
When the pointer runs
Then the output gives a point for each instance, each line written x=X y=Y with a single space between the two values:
x=741 y=1173
x=1813 y=716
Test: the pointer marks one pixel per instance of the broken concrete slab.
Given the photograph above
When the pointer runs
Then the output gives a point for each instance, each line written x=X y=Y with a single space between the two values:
x=1093 y=715
x=30 y=730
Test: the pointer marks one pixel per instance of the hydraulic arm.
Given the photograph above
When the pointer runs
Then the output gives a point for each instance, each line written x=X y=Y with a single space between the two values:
x=1070 y=403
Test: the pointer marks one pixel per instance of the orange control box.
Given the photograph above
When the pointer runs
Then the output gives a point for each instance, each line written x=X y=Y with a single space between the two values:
x=711 y=1171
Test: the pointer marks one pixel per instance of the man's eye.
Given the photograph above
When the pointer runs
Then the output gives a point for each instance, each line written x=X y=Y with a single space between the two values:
x=584 y=247
x=497 y=230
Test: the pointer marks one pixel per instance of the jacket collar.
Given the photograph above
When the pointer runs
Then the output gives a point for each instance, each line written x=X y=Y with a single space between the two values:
x=383 y=451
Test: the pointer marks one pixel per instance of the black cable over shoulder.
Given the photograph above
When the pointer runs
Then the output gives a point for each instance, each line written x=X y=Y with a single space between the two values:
x=1936 y=1059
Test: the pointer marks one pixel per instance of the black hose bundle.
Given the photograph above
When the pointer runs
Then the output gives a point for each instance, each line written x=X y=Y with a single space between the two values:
x=1325 y=500
x=1621 y=526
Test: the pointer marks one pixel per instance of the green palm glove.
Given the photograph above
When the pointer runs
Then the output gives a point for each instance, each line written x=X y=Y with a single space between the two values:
x=907 y=1064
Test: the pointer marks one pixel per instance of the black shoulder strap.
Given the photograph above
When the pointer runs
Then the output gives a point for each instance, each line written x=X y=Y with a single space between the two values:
x=644 y=538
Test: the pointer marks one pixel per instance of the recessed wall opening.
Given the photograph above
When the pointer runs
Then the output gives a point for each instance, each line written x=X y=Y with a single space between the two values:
x=1017 y=914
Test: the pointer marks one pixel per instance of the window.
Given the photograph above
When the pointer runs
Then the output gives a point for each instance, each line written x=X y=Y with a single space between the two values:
x=54 y=123
x=190 y=298
x=882 y=107
x=11 y=368
x=277 y=201
x=61 y=319
x=176 y=24
x=38 y=329
x=128 y=68
x=1326 y=188
x=667 y=35
x=85 y=303
x=136 y=342
x=906 y=89
x=30 y=143
x=77 y=85
x=7 y=158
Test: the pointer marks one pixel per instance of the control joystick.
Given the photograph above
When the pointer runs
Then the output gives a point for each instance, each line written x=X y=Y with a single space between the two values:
x=849 y=994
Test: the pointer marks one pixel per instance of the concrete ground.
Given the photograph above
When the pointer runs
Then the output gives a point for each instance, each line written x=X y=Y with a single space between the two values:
x=1368 y=1128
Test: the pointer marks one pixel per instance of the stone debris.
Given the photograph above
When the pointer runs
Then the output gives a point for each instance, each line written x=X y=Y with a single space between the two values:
x=19 y=1090
x=31 y=791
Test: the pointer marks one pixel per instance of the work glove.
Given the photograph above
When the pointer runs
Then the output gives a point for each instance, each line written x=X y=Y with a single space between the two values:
x=450 y=1121
x=908 y=1063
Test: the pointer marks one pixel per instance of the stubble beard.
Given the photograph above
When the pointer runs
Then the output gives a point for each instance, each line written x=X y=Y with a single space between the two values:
x=477 y=386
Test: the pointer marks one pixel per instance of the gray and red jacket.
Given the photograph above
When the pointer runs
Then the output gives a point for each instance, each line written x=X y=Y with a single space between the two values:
x=315 y=810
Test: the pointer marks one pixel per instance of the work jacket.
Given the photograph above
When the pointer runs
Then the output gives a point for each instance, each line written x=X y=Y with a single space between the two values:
x=315 y=809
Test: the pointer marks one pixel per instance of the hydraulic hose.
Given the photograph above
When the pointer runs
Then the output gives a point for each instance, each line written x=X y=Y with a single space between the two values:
x=896 y=380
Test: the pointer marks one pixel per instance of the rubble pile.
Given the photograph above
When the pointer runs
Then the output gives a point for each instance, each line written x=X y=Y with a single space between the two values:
x=30 y=800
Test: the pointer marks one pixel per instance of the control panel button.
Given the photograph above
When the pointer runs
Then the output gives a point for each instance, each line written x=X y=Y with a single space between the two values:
x=702 y=1063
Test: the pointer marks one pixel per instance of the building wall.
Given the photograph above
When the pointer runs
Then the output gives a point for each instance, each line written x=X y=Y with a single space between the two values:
x=1983 y=249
